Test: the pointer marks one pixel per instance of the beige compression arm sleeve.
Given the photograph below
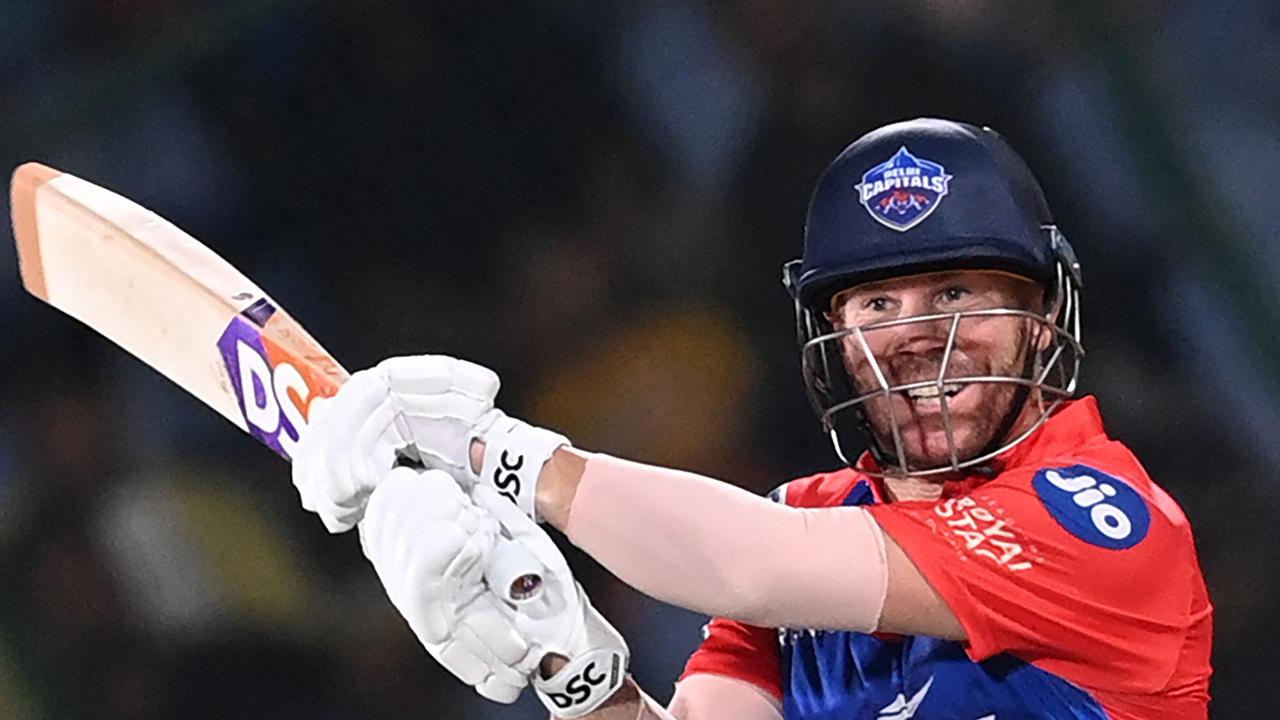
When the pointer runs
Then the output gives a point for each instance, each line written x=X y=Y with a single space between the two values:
x=714 y=548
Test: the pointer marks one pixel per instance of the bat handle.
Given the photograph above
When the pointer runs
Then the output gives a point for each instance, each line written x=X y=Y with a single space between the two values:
x=514 y=573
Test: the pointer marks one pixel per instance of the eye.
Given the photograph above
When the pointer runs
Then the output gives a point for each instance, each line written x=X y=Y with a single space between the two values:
x=955 y=293
x=876 y=304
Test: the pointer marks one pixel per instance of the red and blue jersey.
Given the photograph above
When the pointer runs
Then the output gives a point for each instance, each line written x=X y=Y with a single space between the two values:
x=1073 y=575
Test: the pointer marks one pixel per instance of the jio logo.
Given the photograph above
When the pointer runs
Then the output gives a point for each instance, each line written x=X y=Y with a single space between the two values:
x=1094 y=506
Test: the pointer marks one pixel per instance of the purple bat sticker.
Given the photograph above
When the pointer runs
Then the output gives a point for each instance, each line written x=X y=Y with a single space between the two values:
x=261 y=391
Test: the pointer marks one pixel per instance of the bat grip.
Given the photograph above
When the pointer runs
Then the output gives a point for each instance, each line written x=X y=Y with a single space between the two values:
x=513 y=572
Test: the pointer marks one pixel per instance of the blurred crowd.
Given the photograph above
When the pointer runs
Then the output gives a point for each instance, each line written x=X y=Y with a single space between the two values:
x=595 y=200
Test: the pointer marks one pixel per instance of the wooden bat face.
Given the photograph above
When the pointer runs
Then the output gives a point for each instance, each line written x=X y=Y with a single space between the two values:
x=160 y=294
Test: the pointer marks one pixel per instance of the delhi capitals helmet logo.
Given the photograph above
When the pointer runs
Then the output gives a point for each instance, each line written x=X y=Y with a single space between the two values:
x=903 y=190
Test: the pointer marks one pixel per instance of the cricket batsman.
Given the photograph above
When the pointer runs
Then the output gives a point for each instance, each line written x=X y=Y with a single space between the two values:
x=987 y=553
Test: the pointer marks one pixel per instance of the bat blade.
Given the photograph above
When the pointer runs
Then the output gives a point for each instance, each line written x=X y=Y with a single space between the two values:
x=173 y=303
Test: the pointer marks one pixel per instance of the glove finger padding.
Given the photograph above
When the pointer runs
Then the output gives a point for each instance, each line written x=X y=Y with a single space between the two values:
x=428 y=544
x=459 y=659
x=438 y=374
x=490 y=678
x=441 y=427
x=501 y=691
x=349 y=443
x=478 y=637
x=370 y=447
x=439 y=400
x=492 y=628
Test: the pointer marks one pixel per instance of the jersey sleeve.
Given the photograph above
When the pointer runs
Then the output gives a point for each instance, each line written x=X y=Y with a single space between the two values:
x=1070 y=568
x=748 y=652
x=739 y=651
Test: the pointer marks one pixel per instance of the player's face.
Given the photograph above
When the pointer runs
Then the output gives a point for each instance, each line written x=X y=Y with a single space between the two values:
x=914 y=352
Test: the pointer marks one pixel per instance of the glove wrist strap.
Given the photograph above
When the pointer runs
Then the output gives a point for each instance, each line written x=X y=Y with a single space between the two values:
x=584 y=684
x=514 y=454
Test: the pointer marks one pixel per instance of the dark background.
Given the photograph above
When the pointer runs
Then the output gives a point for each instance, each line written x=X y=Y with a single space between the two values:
x=594 y=199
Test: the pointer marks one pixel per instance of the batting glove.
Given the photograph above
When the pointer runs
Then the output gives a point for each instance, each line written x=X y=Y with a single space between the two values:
x=559 y=621
x=428 y=404
x=434 y=550
x=430 y=547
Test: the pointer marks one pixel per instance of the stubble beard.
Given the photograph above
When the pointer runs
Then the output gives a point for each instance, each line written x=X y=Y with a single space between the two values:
x=977 y=412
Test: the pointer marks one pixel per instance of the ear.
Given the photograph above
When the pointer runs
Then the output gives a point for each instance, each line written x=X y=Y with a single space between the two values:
x=1044 y=337
x=1048 y=307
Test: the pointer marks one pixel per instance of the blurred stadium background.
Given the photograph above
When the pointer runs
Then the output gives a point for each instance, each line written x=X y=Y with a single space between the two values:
x=594 y=198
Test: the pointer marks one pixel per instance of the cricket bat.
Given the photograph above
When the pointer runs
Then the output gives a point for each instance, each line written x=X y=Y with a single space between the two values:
x=173 y=303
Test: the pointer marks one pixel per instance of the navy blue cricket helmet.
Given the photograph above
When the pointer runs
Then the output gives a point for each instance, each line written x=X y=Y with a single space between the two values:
x=920 y=196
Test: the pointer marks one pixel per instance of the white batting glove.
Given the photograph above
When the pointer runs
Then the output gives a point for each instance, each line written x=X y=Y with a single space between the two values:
x=430 y=547
x=559 y=621
x=430 y=403
x=439 y=397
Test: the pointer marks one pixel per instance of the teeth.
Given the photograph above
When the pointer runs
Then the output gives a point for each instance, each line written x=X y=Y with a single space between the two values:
x=930 y=392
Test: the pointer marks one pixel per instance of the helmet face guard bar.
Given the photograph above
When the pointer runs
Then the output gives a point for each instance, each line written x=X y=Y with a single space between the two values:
x=1049 y=374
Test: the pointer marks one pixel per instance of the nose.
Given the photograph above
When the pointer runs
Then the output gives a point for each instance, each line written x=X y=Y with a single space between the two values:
x=907 y=340
x=921 y=337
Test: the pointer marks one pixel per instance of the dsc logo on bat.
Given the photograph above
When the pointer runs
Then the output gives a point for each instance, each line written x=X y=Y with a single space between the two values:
x=275 y=397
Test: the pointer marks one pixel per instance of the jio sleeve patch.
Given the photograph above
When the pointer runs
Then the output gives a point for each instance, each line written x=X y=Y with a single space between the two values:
x=1098 y=508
